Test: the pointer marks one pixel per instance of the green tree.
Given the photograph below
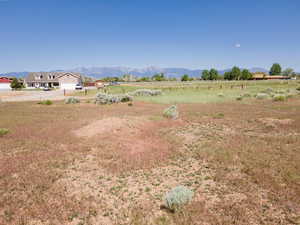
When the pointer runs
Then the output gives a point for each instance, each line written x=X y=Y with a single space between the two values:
x=288 y=72
x=144 y=79
x=236 y=73
x=185 y=77
x=205 y=75
x=246 y=75
x=275 y=69
x=213 y=74
x=15 y=84
x=227 y=75
x=159 y=77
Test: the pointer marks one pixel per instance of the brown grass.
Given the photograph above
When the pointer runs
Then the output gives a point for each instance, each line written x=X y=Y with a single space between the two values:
x=242 y=161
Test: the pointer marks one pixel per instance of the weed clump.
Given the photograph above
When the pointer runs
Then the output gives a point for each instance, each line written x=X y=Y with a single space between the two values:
x=72 y=100
x=145 y=92
x=280 y=91
x=102 y=98
x=246 y=95
x=262 y=96
x=171 y=112
x=279 y=98
x=239 y=98
x=45 y=102
x=177 y=197
x=268 y=91
x=3 y=131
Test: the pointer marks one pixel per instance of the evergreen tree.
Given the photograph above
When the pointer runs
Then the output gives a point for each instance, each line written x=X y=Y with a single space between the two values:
x=15 y=84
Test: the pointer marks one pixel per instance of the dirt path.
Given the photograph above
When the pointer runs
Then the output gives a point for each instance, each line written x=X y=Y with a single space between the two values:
x=19 y=96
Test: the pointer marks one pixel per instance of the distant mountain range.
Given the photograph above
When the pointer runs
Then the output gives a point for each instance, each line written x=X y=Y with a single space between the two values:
x=100 y=72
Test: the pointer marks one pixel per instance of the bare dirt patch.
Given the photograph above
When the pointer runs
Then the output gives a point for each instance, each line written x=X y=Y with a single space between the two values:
x=135 y=142
x=112 y=125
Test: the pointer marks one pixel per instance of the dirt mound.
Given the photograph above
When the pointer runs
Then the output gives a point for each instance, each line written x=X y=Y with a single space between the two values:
x=108 y=125
x=136 y=142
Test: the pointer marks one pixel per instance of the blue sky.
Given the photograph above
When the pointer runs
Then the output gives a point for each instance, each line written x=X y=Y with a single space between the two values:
x=40 y=35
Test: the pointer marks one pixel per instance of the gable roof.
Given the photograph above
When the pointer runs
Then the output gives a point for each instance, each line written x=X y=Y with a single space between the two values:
x=77 y=75
x=45 y=76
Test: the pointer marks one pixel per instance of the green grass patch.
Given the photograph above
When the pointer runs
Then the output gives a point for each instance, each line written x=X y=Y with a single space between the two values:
x=3 y=131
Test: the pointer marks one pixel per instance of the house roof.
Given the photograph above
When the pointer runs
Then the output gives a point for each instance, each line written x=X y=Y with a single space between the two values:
x=45 y=76
x=5 y=80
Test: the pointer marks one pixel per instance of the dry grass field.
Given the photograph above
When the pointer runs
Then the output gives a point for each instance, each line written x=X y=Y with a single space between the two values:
x=86 y=164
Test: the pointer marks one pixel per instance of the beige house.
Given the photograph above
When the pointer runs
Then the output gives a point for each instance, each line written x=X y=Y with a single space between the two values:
x=62 y=80
x=264 y=76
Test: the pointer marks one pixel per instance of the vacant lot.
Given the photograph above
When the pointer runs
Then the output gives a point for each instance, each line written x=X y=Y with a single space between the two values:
x=91 y=164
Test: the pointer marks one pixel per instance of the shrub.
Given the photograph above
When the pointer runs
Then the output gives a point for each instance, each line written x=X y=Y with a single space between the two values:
x=72 y=100
x=145 y=92
x=221 y=95
x=239 y=98
x=102 y=98
x=171 y=112
x=268 y=90
x=298 y=88
x=3 y=131
x=279 y=98
x=178 y=196
x=280 y=92
x=262 y=96
x=246 y=95
x=45 y=102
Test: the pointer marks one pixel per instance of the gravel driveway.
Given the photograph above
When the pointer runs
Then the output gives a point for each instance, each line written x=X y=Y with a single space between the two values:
x=16 y=96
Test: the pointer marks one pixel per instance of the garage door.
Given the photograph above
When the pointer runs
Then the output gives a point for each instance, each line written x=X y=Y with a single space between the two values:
x=5 y=86
x=68 y=86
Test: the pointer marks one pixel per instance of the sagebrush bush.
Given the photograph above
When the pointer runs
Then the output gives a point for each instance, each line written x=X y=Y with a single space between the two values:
x=279 y=98
x=262 y=96
x=145 y=92
x=239 y=98
x=3 y=131
x=72 y=100
x=171 y=112
x=102 y=98
x=45 y=102
x=280 y=91
x=268 y=90
x=246 y=95
x=178 y=196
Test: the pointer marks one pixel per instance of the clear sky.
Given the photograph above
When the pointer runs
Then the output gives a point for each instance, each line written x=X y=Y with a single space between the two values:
x=62 y=34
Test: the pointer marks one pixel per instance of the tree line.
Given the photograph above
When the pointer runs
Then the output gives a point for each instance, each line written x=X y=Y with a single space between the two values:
x=235 y=73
